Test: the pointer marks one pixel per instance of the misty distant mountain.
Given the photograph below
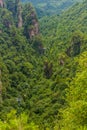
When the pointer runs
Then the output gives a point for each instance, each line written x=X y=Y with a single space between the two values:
x=50 y=7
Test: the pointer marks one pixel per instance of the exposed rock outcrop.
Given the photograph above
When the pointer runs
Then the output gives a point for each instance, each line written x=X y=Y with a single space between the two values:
x=48 y=69
x=7 y=19
x=34 y=27
x=34 y=30
x=1 y=3
x=14 y=15
x=20 y=21
x=0 y=31
x=75 y=47
x=31 y=26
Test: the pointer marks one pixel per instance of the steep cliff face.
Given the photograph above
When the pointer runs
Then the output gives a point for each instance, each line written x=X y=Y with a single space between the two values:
x=31 y=26
x=1 y=3
x=8 y=13
x=34 y=29
x=20 y=21
x=18 y=15
x=15 y=7
x=6 y=18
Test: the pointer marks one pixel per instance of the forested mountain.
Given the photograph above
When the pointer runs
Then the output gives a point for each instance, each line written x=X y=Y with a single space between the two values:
x=60 y=28
x=43 y=68
x=50 y=7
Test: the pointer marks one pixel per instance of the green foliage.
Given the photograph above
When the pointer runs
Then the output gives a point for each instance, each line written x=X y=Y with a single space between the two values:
x=15 y=122
x=29 y=18
x=6 y=19
x=75 y=114
x=58 y=30
x=38 y=76
x=76 y=43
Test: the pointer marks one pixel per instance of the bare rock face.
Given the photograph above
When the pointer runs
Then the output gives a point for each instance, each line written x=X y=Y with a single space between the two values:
x=0 y=31
x=34 y=30
x=7 y=18
x=48 y=69
x=1 y=3
x=20 y=22
x=30 y=21
x=36 y=26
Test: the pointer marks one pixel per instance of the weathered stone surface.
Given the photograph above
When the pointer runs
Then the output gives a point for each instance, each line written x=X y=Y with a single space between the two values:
x=1 y=3
x=35 y=26
x=20 y=21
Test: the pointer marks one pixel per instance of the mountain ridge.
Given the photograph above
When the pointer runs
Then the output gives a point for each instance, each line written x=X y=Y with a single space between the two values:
x=49 y=7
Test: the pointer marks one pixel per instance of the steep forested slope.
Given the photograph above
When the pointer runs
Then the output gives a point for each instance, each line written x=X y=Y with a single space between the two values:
x=61 y=28
x=63 y=31
x=43 y=75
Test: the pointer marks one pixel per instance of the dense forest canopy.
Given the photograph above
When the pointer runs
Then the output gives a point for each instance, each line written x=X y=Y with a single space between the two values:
x=43 y=67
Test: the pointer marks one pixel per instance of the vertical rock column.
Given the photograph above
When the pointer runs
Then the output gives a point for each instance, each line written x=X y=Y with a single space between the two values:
x=1 y=3
x=20 y=22
x=34 y=30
